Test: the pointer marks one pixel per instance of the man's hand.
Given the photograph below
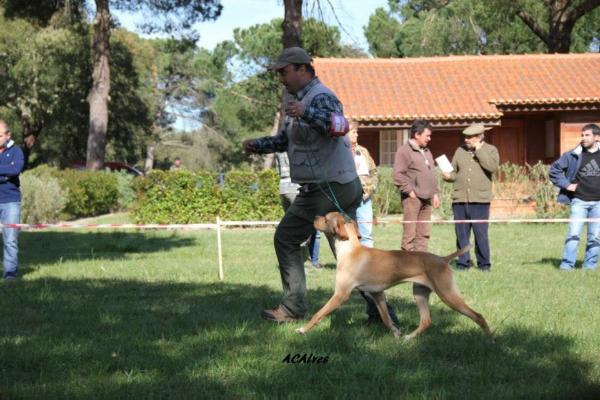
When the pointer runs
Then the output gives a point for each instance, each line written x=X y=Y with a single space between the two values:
x=572 y=187
x=412 y=194
x=478 y=145
x=435 y=201
x=446 y=176
x=248 y=145
x=294 y=109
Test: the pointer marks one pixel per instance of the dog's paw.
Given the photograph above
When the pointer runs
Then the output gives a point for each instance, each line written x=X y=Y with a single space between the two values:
x=301 y=331
x=408 y=337
x=396 y=332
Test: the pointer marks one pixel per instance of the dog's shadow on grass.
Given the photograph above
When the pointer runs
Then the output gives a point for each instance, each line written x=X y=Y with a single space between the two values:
x=329 y=265
x=129 y=339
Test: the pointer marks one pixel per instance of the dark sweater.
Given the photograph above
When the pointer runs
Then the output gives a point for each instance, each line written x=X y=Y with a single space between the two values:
x=588 y=177
x=11 y=165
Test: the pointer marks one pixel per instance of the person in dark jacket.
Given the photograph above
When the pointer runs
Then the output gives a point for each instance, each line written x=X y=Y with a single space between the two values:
x=320 y=162
x=11 y=165
x=577 y=174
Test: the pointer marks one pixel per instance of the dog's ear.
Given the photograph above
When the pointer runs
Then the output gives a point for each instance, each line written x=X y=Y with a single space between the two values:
x=356 y=229
x=340 y=229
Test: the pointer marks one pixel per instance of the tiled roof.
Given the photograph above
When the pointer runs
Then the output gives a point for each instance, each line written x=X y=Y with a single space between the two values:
x=458 y=87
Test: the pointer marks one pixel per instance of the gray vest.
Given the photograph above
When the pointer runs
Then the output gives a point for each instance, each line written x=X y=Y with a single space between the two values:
x=314 y=156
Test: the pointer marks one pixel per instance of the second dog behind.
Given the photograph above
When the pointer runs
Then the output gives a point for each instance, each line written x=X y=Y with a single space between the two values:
x=373 y=271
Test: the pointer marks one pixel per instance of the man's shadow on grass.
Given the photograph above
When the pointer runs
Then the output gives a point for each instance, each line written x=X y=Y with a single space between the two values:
x=50 y=247
x=553 y=261
x=98 y=338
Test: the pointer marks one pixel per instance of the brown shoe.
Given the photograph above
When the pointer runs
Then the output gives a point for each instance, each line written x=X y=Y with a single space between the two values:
x=279 y=315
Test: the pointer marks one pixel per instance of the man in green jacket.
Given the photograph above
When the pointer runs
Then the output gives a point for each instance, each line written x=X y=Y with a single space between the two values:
x=473 y=163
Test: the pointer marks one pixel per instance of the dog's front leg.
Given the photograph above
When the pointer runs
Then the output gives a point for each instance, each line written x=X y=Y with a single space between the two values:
x=379 y=298
x=338 y=298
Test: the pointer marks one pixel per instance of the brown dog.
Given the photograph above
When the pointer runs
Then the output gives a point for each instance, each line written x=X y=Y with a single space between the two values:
x=374 y=270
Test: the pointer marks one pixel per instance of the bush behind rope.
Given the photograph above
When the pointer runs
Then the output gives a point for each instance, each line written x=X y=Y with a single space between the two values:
x=244 y=195
x=42 y=197
x=182 y=197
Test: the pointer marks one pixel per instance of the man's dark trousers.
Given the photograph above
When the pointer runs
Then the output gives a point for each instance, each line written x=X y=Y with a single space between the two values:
x=472 y=211
x=297 y=225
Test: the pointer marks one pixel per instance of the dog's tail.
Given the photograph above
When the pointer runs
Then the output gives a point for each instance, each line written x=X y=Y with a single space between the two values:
x=457 y=253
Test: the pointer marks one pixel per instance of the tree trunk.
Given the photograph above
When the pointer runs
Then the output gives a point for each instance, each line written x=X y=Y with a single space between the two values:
x=30 y=131
x=292 y=37
x=269 y=158
x=562 y=17
x=292 y=24
x=149 y=164
x=561 y=26
x=99 y=93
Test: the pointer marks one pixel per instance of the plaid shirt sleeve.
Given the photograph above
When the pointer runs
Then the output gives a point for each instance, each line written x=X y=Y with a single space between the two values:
x=271 y=144
x=318 y=114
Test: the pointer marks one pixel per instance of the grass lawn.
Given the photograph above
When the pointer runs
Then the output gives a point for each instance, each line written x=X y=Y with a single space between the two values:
x=142 y=315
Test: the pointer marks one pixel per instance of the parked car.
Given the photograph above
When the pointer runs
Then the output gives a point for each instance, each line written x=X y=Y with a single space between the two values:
x=112 y=166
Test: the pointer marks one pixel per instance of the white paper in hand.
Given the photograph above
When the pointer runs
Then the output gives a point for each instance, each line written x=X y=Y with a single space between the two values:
x=444 y=164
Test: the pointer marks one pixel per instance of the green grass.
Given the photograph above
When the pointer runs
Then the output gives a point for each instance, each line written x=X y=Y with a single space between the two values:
x=142 y=315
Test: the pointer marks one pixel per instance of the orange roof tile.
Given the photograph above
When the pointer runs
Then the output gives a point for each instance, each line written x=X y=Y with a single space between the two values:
x=458 y=87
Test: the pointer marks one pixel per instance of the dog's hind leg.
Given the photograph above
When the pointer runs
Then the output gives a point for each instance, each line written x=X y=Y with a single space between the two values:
x=379 y=299
x=456 y=302
x=448 y=292
x=421 y=294
x=338 y=298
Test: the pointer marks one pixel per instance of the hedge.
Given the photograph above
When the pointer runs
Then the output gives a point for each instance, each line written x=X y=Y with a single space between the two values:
x=183 y=197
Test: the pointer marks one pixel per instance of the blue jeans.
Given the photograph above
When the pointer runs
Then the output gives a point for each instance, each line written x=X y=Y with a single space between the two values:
x=580 y=210
x=364 y=216
x=313 y=247
x=10 y=213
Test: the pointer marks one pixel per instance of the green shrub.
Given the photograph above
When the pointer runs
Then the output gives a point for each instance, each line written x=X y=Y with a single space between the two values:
x=186 y=197
x=90 y=193
x=545 y=193
x=386 y=199
x=42 y=198
x=446 y=189
x=126 y=190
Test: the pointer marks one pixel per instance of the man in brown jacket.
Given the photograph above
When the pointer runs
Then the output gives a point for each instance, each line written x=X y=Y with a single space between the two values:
x=473 y=163
x=414 y=175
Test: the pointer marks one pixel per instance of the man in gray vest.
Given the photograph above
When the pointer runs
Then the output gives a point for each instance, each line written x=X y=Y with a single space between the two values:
x=320 y=162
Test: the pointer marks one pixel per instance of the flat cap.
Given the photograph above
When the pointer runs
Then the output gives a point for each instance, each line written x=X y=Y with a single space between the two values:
x=291 y=55
x=475 y=129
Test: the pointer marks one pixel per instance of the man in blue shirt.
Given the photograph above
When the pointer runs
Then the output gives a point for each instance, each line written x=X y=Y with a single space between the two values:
x=11 y=165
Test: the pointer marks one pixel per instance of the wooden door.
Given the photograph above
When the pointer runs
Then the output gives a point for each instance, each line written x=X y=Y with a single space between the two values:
x=509 y=138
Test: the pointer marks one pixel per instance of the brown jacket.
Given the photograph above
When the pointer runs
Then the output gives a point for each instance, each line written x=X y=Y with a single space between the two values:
x=415 y=170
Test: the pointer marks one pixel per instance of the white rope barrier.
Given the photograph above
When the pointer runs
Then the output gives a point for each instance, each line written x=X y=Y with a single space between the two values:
x=224 y=224
x=275 y=223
